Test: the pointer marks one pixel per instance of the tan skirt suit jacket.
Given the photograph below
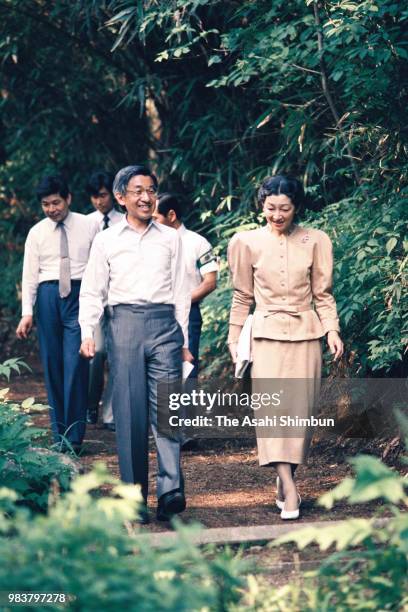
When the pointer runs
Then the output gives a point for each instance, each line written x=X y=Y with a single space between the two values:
x=289 y=277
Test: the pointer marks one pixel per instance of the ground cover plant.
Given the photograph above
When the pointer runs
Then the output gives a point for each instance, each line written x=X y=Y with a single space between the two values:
x=27 y=465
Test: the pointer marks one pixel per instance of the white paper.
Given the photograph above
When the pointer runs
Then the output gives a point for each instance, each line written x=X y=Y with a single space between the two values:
x=188 y=367
x=244 y=348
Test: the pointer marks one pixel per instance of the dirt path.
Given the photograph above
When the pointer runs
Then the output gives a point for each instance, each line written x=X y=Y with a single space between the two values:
x=224 y=484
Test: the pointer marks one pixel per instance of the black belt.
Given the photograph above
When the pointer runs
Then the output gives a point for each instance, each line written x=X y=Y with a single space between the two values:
x=74 y=281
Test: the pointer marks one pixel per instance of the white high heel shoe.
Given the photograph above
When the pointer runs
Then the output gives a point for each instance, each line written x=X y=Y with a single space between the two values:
x=288 y=515
x=279 y=502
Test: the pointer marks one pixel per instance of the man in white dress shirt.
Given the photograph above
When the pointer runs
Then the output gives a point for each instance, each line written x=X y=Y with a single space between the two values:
x=99 y=189
x=55 y=256
x=201 y=266
x=137 y=266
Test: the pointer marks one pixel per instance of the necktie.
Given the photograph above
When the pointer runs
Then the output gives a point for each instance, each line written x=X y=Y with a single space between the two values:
x=106 y=222
x=64 y=285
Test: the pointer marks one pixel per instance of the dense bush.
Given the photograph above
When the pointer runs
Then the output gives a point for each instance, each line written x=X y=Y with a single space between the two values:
x=65 y=535
x=85 y=542
x=27 y=466
x=370 y=281
x=369 y=568
x=217 y=95
x=88 y=547
x=82 y=548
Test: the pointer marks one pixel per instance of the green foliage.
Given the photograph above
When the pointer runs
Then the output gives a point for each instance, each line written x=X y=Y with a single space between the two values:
x=331 y=113
x=217 y=95
x=26 y=466
x=374 y=480
x=61 y=110
x=370 y=281
x=369 y=569
x=15 y=364
x=86 y=544
x=83 y=549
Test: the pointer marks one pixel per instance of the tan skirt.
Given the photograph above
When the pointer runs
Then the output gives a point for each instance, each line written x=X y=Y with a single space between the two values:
x=273 y=359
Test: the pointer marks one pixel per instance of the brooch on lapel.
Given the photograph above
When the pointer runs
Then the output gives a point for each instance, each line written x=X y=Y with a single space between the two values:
x=305 y=238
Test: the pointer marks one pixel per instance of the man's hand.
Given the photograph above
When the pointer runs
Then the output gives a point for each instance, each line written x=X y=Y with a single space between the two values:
x=24 y=327
x=87 y=349
x=335 y=344
x=186 y=355
x=233 y=350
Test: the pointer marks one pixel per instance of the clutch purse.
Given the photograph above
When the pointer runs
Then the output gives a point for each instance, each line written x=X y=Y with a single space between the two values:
x=244 y=352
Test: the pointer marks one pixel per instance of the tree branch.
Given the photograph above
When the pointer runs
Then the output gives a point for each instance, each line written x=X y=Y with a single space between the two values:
x=326 y=90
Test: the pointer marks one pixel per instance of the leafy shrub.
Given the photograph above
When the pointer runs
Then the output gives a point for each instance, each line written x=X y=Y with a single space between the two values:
x=369 y=570
x=26 y=465
x=370 y=277
x=82 y=548
x=12 y=365
x=88 y=547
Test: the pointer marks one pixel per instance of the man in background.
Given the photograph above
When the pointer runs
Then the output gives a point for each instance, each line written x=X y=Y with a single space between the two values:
x=55 y=256
x=201 y=265
x=99 y=189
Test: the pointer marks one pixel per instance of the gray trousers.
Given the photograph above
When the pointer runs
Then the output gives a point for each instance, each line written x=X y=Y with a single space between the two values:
x=96 y=374
x=145 y=344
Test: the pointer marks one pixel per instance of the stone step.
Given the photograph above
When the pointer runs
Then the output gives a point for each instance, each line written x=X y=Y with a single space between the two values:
x=240 y=535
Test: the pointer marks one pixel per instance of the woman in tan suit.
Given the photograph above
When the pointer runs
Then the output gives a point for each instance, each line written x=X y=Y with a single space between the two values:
x=287 y=271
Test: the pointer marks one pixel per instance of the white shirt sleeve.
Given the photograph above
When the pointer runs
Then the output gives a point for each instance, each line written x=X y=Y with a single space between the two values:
x=181 y=291
x=94 y=290
x=206 y=260
x=31 y=270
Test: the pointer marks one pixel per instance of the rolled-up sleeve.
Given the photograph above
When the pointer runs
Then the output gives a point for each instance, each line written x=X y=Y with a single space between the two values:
x=94 y=290
x=181 y=289
x=242 y=278
x=321 y=282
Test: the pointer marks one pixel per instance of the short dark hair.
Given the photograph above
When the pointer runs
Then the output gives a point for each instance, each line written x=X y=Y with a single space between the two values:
x=97 y=181
x=52 y=183
x=167 y=202
x=123 y=177
x=281 y=184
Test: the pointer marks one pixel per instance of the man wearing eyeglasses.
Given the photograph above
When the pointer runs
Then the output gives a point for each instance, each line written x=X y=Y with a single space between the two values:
x=138 y=267
x=99 y=189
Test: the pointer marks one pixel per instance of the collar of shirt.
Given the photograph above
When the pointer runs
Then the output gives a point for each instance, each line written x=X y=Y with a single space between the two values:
x=124 y=224
x=111 y=214
x=182 y=229
x=67 y=221
x=101 y=216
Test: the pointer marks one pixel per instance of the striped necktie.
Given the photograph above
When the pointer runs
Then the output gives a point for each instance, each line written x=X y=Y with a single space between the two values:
x=64 y=285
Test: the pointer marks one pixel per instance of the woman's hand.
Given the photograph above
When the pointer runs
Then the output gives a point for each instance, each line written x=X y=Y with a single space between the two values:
x=233 y=350
x=335 y=344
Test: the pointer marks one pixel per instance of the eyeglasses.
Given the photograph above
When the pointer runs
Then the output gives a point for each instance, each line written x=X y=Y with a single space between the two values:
x=151 y=192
